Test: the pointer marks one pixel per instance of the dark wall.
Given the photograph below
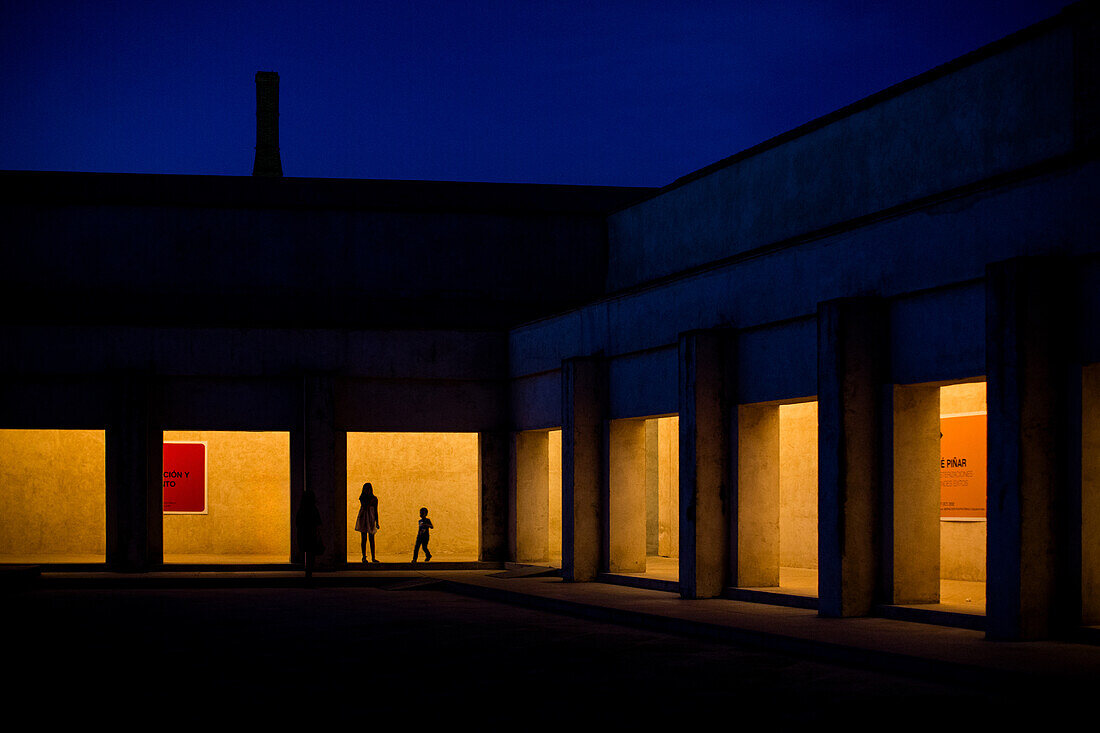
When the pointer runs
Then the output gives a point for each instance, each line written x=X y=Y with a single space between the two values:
x=200 y=250
x=1014 y=105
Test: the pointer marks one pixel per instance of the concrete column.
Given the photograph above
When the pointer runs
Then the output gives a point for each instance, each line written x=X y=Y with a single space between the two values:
x=297 y=478
x=529 y=490
x=913 y=485
x=757 y=496
x=852 y=369
x=705 y=463
x=135 y=493
x=1028 y=334
x=1090 y=495
x=325 y=466
x=626 y=521
x=492 y=480
x=668 y=487
x=652 y=488
x=583 y=413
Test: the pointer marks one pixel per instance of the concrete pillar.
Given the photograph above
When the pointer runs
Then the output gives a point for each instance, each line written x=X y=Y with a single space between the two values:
x=1090 y=495
x=554 y=503
x=705 y=463
x=529 y=493
x=583 y=476
x=1028 y=334
x=297 y=478
x=134 y=484
x=912 y=533
x=626 y=520
x=852 y=369
x=324 y=461
x=652 y=488
x=493 y=450
x=668 y=487
x=757 y=496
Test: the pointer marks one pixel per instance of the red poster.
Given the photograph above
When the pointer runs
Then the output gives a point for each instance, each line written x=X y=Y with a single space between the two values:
x=962 y=466
x=184 y=478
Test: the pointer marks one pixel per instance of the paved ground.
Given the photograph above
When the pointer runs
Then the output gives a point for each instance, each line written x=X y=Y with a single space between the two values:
x=418 y=658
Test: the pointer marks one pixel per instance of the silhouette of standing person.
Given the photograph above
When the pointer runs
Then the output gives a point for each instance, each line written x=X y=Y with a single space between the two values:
x=308 y=524
x=367 y=521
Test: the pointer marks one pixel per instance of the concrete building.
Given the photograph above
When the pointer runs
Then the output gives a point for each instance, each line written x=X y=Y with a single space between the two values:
x=741 y=384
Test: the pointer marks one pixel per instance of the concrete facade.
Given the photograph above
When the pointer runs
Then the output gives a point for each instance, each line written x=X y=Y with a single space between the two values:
x=942 y=231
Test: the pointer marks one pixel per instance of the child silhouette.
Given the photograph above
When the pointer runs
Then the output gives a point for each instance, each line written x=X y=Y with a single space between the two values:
x=422 y=528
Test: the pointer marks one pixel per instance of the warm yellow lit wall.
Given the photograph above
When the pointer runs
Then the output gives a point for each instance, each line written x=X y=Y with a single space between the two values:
x=962 y=544
x=668 y=486
x=410 y=470
x=52 y=496
x=555 y=493
x=1090 y=495
x=247 y=499
x=798 y=485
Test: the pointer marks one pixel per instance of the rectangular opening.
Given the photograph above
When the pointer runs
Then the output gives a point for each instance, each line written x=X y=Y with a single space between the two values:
x=1090 y=495
x=53 y=496
x=555 y=502
x=408 y=471
x=777 y=497
x=644 y=522
x=226 y=497
x=939 y=496
x=538 y=497
x=963 y=496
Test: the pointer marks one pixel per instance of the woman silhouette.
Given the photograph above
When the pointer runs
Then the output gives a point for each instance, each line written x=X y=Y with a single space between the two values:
x=367 y=521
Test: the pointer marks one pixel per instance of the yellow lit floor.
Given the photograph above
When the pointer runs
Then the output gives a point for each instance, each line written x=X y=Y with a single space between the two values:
x=956 y=596
x=43 y=559
x=795 y=582
x=960 y=596
x=659 y=568
x=357 y=559
x=224 y=559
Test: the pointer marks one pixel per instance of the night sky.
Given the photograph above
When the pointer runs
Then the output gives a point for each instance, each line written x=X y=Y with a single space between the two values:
x=598 y=92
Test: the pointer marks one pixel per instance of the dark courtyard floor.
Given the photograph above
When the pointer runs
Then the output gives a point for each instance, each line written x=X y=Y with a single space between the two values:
x=421 y=659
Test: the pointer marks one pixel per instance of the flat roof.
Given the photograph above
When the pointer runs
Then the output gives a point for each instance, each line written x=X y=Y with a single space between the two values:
x=254 y=192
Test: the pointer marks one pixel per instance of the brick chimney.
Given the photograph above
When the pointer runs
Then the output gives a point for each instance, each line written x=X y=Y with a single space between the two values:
x=268 y=162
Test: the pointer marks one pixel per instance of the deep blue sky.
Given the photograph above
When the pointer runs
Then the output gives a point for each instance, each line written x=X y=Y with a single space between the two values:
x=598 y=92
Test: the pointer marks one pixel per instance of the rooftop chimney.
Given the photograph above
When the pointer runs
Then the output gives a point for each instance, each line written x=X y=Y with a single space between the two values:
x=267 y=162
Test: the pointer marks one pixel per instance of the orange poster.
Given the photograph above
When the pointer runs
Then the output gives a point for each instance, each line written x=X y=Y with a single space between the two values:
x=962 y=466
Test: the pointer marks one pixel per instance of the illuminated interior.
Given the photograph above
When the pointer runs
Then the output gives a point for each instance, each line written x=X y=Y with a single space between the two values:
x=53 y=496
x=777 y=497
x=408 y=471
x=538 y=497
x=555 y=503
x=963 y=539
x=247 y=507
x=644 y=533
x=940 y=496
x=1090 y=495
